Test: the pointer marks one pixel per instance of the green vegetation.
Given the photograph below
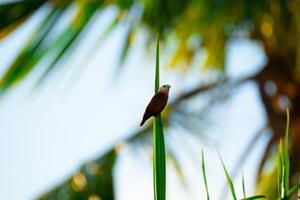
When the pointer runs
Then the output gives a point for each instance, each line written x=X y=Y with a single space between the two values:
x=101 y=171
x=229 y=181
x=243 y=185
x=159 y=159
x=159 y=155
x=204 y=176
x=284 y=192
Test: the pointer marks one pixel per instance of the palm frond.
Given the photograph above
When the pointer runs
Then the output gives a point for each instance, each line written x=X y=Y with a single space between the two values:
x=37 y=49
x=64 y=42
x=93 y=179
x=31 y=53
x=14 y=14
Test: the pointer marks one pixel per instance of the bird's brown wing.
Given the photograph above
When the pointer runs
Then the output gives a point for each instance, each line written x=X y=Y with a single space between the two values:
x=156 y=106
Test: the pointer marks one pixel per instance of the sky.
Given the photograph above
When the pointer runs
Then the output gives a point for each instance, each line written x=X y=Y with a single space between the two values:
x=47 y=134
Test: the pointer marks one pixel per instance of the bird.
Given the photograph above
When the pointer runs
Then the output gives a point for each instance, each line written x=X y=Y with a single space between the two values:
x=157 y=103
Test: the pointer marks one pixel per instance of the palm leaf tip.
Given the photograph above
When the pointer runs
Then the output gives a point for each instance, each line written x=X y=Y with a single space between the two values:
x=229 y=181
x=204 y=175
x=243 y=185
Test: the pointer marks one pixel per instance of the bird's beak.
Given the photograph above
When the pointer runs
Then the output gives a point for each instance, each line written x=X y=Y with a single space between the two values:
x=169 y=86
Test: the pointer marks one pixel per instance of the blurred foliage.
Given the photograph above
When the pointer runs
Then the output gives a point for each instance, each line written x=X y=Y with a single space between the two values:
x=198 y=26
x=94 y=181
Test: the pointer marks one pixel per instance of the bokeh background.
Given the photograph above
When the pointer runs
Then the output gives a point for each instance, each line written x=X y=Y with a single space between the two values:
x=76 y=77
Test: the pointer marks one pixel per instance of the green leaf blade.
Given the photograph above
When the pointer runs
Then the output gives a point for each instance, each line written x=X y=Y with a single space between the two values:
x=294 y=189
x=156 y=88
x=243 y=185
x=204 y=176
x=159 y=155
x=30 y=54
x=280 y=171
x=286 y=156
x=229 y=181
x=255 y=197
x=65 y=41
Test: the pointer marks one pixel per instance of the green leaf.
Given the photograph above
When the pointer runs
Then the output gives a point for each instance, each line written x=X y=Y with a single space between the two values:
x=286 y=156
x=156 y=88
x=243 y=184
x=67 y=38
x=255 y=197
x=280 y=172
x=229 y=181
x=159 y=155
x=294 y=189
x=204 y=176
x=31 y=53
x=93 y=179
x=11 y=13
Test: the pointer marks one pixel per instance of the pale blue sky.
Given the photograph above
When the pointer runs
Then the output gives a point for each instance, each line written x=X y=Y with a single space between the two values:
x=81 y=111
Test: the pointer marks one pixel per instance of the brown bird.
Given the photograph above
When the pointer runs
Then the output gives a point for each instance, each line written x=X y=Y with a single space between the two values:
x=157 y=103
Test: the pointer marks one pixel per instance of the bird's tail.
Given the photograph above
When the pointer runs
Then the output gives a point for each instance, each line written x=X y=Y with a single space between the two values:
x=142 y=122
x=144 y=119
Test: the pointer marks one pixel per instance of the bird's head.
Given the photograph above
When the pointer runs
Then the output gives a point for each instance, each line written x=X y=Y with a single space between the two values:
x=165 y=89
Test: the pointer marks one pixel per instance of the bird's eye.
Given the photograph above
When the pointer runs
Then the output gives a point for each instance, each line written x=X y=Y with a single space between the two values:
x=164 y=86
